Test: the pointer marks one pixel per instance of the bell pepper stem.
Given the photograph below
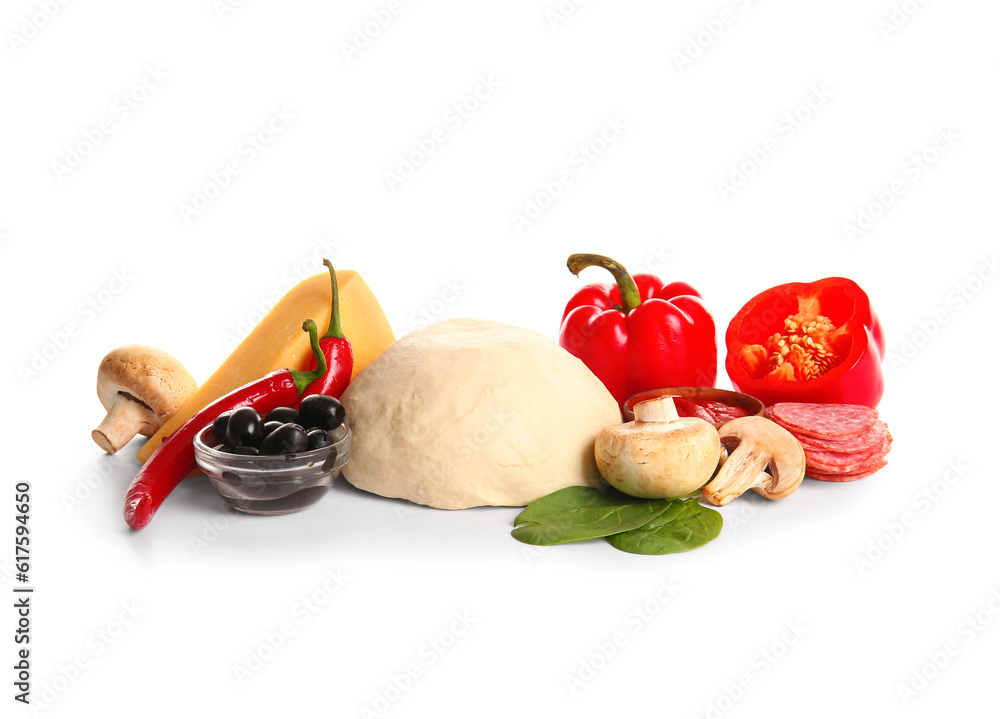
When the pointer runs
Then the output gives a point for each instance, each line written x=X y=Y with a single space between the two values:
x=334 y=329
x=303 y=379
x=627 y=288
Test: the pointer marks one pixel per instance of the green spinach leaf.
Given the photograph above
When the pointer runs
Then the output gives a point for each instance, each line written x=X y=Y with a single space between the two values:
x=573 y=514
x=684 y=525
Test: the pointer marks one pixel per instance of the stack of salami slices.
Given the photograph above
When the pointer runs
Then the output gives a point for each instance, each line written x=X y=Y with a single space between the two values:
x=841 y=441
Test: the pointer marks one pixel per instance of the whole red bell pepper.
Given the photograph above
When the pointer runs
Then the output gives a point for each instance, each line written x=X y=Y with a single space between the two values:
x=639 y=334
x=808 y=342
x=174 y=459
x=336 y=348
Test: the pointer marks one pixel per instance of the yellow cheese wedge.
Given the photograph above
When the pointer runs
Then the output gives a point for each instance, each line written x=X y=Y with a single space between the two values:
x=278 y=341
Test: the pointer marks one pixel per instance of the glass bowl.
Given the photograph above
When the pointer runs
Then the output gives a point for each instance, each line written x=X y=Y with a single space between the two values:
x=270 y=485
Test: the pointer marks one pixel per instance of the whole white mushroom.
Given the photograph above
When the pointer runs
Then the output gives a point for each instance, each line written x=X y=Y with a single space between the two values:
x=141 y=387
x=469 y=412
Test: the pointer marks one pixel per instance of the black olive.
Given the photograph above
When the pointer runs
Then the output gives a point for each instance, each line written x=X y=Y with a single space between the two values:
x=283 y=415
x=219 y=426
x=250 y=451
x=320 y=411
x=319 y=438
x=269 y=427
x=287 y=439
x=244 y=428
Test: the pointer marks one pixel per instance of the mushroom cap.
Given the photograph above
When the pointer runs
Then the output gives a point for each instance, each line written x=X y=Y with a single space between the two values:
x=658 y=460
x=787 y=466
x=154 y=377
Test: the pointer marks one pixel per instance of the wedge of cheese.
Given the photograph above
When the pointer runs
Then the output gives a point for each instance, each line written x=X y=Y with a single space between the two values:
x=278 y=341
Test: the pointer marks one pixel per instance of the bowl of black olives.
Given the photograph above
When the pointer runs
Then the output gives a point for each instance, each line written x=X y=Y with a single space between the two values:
x=276 y=464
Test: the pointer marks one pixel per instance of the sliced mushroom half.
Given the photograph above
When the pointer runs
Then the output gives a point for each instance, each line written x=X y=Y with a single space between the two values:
x=762 y=456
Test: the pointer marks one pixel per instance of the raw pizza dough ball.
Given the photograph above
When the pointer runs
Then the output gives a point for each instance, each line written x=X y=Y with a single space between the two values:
x=470 y=412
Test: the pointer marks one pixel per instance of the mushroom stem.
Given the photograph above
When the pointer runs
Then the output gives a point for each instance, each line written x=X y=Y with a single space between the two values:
x=742 y=470
x=661 y=409
x=126 y=417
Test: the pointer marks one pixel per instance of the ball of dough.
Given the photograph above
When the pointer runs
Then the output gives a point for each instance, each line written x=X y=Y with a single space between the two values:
x=468 y=412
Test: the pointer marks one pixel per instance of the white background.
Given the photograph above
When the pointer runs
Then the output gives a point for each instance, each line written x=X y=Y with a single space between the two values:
x=697 y=97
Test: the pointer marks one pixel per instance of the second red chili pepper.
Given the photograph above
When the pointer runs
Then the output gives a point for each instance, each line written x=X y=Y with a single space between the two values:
x=336 y=348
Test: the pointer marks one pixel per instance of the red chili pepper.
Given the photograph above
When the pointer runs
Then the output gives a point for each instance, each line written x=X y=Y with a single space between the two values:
x=174 y=459
x=337 y=350
x=808 y=342
x=641 y=334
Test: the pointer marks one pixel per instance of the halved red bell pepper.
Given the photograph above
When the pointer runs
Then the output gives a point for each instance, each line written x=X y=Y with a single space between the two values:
x=640 y=334
x=808 y=342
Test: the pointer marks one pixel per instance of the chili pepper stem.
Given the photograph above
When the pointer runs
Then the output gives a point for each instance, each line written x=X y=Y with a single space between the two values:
x=334 y=329
x=627 y=288
x=303 y=379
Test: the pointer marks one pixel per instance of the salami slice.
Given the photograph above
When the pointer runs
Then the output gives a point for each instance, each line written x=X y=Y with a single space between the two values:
x=872 y=439
x=824 y=421
x=848 y=477
x=849 y=463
